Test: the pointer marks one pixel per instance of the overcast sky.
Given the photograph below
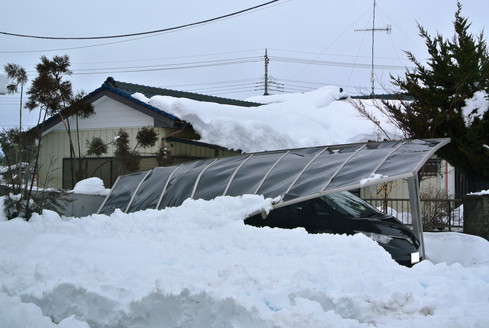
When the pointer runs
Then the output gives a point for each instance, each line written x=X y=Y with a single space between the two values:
x=311 y=43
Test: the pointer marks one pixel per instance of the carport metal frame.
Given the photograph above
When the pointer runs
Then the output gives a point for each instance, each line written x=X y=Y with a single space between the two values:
x=412 y=179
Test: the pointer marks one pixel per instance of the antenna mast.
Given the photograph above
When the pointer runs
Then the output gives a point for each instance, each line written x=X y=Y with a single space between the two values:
x=386 y=29
x=267 y=60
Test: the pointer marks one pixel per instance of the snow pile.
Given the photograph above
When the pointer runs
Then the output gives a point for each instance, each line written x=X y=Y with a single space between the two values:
x=470 y=249
x=198 y=265
x=374 y=177
x=480 y=193
x=284 y=121
x=91 y=186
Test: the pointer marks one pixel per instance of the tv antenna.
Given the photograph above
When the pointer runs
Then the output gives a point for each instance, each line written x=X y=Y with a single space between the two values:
x=386 y=29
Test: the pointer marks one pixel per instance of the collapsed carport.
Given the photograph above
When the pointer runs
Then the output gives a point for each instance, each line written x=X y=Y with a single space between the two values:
x=289 y=176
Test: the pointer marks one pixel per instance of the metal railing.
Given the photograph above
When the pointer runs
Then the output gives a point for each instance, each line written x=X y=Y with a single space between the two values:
x=437 y=214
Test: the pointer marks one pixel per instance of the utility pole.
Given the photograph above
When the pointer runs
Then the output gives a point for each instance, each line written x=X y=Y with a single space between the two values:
x=269 y=83
x=267 y=60
x=386 y=29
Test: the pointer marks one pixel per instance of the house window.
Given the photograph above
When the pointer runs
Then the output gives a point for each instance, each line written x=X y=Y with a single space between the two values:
x=431 y=168
x=105 y=168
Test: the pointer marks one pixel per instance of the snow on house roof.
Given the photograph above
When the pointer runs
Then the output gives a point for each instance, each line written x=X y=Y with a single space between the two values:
x=125 y=91
x=320 y=117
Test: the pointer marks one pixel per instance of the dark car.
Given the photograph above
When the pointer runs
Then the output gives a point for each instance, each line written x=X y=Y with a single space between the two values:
x=345 y=213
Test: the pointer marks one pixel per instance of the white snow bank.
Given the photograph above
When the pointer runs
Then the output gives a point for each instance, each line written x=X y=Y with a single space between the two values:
x=480 y=193
x=198 y=265
x=91 y=186
x=471 y=250
x=285 y=121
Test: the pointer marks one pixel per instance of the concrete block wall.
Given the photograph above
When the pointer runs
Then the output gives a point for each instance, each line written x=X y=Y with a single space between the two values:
x=82 y=205
x=476 y=215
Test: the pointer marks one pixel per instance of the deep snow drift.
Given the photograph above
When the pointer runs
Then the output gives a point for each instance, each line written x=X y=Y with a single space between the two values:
x=198 y=265
x=315 y=118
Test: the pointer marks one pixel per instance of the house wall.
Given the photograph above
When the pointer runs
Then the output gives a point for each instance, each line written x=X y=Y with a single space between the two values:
x=182 y=151
x=109 y=114
x=440 y=186
x=110 y=117
x=55 y=146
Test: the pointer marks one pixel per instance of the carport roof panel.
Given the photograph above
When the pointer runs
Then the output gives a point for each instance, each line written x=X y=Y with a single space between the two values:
x=292 y=175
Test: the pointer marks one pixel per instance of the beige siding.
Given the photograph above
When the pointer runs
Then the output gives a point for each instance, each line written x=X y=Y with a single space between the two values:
x=109 y=114
x=55 y=147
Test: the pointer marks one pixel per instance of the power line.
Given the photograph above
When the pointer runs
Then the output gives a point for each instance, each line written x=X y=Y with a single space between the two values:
x=223 y=87
x=229 y=90
x=141 y=33
x=207 y=62
x=332 y=63
x=332 y=54
x=170 y=58
x=136 y=69
x=211 y=83
x=233 y=92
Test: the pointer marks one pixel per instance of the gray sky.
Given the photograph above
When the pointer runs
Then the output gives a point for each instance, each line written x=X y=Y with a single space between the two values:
x=224 y=58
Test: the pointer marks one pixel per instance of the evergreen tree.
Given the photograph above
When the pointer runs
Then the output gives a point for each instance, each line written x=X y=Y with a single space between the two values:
x=18 y=77
x=54 y=95
x=456 y=70
x=146 y=137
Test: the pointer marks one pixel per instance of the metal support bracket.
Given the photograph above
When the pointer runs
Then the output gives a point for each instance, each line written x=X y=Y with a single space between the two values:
x=415 y=203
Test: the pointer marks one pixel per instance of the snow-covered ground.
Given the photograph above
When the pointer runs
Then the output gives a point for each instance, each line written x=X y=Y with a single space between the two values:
x=198 y=265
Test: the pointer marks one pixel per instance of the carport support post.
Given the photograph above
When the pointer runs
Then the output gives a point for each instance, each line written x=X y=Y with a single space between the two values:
x=415 y=202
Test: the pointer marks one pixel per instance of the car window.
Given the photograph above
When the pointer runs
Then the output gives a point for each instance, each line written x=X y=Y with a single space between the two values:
x=350 y=205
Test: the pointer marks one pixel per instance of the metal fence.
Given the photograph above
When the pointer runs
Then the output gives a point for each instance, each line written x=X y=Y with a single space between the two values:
x=437 y=214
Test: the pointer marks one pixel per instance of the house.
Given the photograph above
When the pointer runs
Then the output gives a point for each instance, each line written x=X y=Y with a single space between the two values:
x=115 y=108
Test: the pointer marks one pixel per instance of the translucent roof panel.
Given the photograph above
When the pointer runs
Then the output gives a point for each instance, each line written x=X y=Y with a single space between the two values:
x=181 y=184
x=363 y=163
x=288 y=175
x=410 y=154
x=318 y=174
x=286 y=170
x=121 y=193
x=149 y=191
x=249 y=176
x=216 y=178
